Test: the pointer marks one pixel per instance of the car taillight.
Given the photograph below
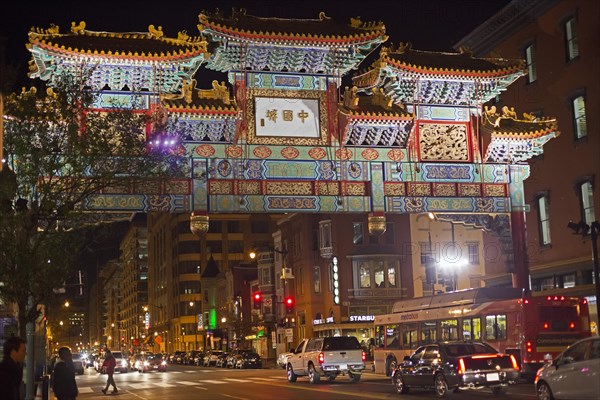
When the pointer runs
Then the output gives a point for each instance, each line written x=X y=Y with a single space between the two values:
x=546 y=326
x=513 y=360
x=461 y=366
x=322 y=357
x=364 y=356
x=529 y=349
x=572 y=325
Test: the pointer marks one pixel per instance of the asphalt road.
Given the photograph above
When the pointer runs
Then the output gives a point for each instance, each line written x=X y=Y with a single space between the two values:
x=190 y=382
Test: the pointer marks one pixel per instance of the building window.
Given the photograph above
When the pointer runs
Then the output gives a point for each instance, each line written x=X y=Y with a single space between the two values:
x=426 y=252
x=473 y=249
x=587 y=202
x=375 y=274
x=364 y=275
x=571 y=42
x=544 y=220
x=530 y=60
x=579 y=121
x=234 y=227
x=266 y=276
x=317 y=278
x=357 y=229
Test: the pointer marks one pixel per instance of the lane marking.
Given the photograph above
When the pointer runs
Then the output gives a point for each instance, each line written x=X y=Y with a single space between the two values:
x=234 y=397
x=214 y=382
x=237 y=380
x=85 y=390
x=201 y=388
x=188 y=383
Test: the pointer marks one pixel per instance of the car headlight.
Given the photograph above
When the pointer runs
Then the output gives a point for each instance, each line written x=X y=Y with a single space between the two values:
x=163 y=363
x=123 y=363
x=146 y=363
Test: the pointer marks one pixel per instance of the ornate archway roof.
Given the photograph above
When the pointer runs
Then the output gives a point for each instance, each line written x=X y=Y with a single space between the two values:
x=117 y=59
x=516 y=140
x=373 y=120
x=277 y=44
x=438 y=77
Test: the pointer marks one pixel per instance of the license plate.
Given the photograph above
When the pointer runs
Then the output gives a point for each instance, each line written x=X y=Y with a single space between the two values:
x=156 y=367
x=493 y=377
x=343 y=366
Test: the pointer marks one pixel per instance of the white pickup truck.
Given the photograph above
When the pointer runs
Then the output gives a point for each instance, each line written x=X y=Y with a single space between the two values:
x=329 y=356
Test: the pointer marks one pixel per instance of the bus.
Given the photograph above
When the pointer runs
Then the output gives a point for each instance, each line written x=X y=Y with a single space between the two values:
x=534 y=329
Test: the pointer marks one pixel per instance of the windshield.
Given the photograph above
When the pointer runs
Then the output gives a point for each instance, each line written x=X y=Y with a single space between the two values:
x=341 y=343
x=117 y=354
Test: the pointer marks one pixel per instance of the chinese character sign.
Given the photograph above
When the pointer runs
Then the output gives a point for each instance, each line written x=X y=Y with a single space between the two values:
x=287 y=117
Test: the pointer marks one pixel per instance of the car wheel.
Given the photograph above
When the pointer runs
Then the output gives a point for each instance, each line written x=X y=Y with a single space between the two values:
x=499 y=390
x=441 y=386
x=390 y=366
x=313 y=375
x=291 y=376
x=354 y=378
x=401 y=388
x=544 y=392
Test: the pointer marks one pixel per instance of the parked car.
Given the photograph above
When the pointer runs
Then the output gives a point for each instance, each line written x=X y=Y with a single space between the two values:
x=153 y=362
x=173 y=357
x=233 y=355
x=189 y=357
x=222 y=360
x=454 y=366
x=199 y=359
x=79 y=363
x=574 y=374
x=247 y=360
x=210 y=358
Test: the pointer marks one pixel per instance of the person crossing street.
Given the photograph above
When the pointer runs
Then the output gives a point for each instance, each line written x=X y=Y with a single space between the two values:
x=108 y=366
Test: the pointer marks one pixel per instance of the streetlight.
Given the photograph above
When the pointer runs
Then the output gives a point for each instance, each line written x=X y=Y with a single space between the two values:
x=192 y=304
x=583 y=229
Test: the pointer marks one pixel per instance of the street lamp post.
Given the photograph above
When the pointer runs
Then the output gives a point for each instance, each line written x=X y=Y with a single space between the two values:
x=594 y=229
x=192 y=304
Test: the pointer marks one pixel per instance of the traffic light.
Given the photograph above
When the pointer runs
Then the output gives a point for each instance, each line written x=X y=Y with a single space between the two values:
x=289 y=304
x=257 y=300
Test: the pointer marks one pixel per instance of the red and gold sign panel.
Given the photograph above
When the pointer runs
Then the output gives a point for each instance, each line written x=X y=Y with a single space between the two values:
x=444 y=142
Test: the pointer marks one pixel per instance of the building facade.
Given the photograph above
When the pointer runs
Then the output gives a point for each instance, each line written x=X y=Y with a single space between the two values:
x=559 y=41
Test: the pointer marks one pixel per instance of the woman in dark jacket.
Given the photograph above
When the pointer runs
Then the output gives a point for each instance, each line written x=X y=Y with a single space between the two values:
x=64 y=385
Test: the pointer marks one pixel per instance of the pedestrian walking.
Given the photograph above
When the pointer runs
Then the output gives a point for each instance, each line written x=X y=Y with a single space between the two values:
x=63 y=378
x=108 y=366
x=11 y=369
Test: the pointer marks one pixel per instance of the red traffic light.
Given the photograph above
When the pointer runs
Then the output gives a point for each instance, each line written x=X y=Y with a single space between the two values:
x=257 y=300
x=289 y=304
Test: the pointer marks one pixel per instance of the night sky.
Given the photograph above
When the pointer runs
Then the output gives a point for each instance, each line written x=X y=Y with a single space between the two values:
x=428 y=24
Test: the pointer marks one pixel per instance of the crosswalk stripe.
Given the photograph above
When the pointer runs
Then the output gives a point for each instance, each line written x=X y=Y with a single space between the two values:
x=264 y=379
x=238 y=380
x=163 y=384
x=85 y=390
x=188 y=383
x=138 y=385
x=215 y=382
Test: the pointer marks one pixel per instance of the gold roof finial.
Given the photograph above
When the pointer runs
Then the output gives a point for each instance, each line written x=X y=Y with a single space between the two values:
x=356 y=22
x=381 y=99
x=156 y=33
x=351 y=97
x=323 y=17
x=183 y=36
x=77 y=28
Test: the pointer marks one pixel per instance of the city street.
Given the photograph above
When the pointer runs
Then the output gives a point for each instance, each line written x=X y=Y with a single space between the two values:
x=189 y=382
